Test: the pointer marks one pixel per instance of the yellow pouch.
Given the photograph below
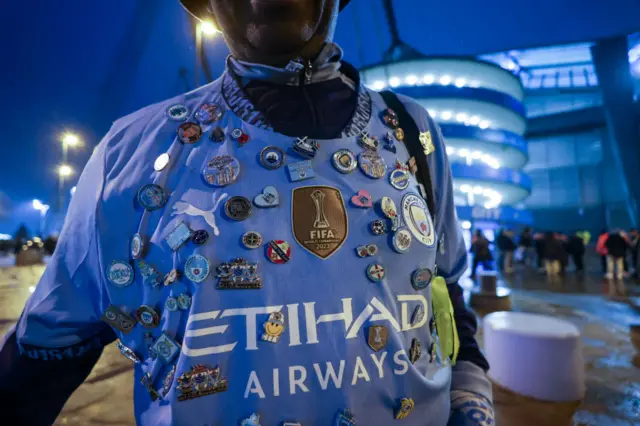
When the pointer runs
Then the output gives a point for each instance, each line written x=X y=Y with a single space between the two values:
x=444 y=319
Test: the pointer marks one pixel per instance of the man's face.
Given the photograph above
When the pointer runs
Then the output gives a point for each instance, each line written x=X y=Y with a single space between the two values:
x=280 y=28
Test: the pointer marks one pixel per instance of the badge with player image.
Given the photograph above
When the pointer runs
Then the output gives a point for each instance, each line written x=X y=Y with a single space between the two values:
x=319 y=219
x=418 y=220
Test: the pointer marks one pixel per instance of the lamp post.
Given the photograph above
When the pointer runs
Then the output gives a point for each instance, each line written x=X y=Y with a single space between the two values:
x=69 y=140
x=208 y=29
x=64 y=171
x=43 y=209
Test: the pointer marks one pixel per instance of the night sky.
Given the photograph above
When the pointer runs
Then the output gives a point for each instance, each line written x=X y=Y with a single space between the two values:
x=80 y=65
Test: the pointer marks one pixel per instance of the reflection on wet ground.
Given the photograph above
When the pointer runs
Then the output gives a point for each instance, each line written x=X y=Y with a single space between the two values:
x=613 y=383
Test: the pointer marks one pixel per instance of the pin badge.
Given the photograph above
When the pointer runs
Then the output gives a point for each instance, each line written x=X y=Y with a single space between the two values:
x=300 y=170
x=401 y=166
x=388 y=207
x=414 y=351
x=345 y=418
x=272 y=157
x=390 y=118
x=406 y=407
x=399 y=179
x=147 y=317
x=367 y=251
x=376 y=272
x=128 y=353
x=274 y=327
x=415 y=214
x=152 y=197
x=189 y=133
x=238 y=274
x=423 y=192
x=236 y=134
x=278 y=251
x=161 y=162
x=390 y=142
x=200 y=381
x=120 y=273
x=413 y=166
x=441 y=245
x=432 y=352
x=426 y=142
x=184 y=301
x=200 y=237
x=178 y=236
x=177 y=112
x=149 y=340
x=149 y=274
x=378 y=336
x=344 y=161
x=243 y=139
x=378 y=227
x=306 y=148
x=401 y=240
x=221 y=170
x=171 y=304
x=171 y=277
x=418 y=315
x=420 y=278
x=372 y=164
x=399 y=134
x=196 y=268
x=168 y=381
x=166 y=348
x=118 y=319
x=252 y=240
x=362 y=199
x=208 y=113
x=396 y=223
x=237 y=208
x=268 y=198
x=367 y=142
x=147 y=382
x=217 y=135
x=252 y=420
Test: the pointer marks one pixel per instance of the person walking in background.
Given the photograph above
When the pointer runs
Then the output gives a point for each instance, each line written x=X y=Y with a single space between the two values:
x=616 y=249
x=553 y=253
x=507 y=246
x=634 y=239
x=564 y=254
x=538 y=242
x=575 y=248
x=481 y=252
x=526 y=246
x=601 y=249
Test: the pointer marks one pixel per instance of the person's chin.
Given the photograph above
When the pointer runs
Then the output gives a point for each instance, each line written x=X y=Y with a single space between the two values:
x=279 y=38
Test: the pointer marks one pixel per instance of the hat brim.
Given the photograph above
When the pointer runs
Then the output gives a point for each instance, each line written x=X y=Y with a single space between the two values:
x=200 y=8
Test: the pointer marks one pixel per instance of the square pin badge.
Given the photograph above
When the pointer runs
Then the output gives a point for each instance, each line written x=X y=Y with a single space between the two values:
x=166 y=348
x=300 y=170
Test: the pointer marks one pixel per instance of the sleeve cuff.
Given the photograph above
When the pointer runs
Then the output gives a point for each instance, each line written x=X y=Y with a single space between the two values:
x=466 y=376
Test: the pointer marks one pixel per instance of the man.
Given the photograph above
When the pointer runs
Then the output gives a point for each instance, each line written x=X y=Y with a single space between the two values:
x=616 y=246
x=258 y=227
x=575 y=248
x=526 y=244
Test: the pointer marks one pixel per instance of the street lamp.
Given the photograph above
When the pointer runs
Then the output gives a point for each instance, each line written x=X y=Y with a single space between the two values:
x=69 y=140
x=43 y=209
x=207 y=28
x=65 y=170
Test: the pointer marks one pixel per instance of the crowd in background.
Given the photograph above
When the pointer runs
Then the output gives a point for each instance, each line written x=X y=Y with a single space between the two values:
x=553 y=252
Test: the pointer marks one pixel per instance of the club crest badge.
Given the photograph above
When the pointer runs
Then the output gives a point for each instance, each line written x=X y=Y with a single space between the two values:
x=378 y=336
x=319 y=219
x=238 y=274
x=418 y=220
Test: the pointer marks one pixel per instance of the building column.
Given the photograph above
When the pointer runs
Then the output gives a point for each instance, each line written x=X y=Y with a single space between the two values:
x=611 y=60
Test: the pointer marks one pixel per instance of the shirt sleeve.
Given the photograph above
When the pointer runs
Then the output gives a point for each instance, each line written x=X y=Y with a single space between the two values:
x=59 y=336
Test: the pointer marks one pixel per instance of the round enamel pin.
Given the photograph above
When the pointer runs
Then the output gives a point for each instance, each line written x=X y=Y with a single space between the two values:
x=420 y=278
x=152 y=197
x=161 y=162
x=221 y=170
x=120 y=273
x=208 y=113
x=372 y=164
x=236 y=134
x=138 y=246
x=252 y=240
x=177 y=112
x=344 y=161
x=184 y=301
x=171 y=304
x=418 y=220
x=237 y=208
x=278 y=251
x=189 y=133
x=147 y=316
x=399 y=179
x=272 y=157
x=401 y=240
x=196 y=268
x=378 y=227
x=376 y=272
x=200 y=237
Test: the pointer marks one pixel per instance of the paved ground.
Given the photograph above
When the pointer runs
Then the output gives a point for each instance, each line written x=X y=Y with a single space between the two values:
x=613 y=384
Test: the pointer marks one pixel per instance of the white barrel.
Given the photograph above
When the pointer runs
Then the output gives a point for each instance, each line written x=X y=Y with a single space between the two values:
x=535 y=355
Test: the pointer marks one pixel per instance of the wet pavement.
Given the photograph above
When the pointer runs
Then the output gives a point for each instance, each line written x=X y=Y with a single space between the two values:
x=613 y=383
